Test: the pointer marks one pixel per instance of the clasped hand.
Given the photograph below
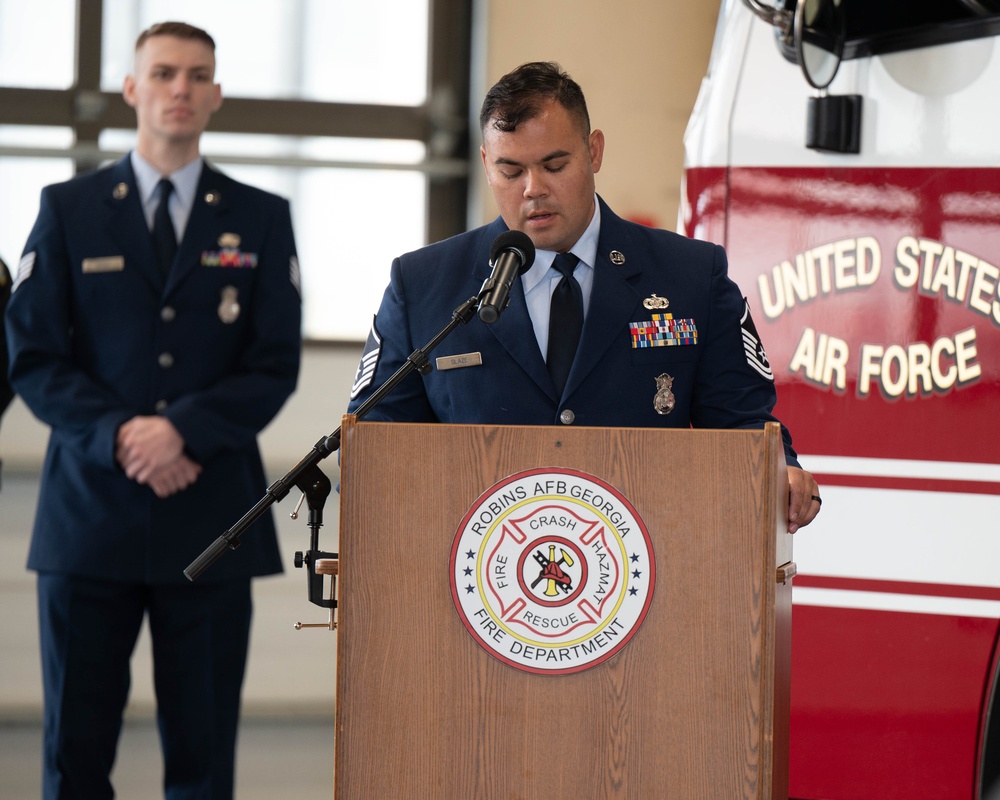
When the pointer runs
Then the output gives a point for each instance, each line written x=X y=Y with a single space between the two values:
x=151 y=452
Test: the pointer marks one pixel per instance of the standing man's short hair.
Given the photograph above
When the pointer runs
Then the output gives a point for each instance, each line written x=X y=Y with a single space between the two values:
x=179 y=30
x=518 y=97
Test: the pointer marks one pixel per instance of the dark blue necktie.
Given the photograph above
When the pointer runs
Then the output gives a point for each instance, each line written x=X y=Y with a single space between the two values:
x=164 y=238
x=565 y=321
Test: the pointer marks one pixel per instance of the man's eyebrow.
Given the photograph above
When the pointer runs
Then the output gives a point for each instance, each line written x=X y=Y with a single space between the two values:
x=167 y=65
x=550 y=157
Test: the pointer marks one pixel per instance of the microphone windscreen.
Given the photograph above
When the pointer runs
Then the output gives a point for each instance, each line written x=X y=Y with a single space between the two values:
x=514 y=240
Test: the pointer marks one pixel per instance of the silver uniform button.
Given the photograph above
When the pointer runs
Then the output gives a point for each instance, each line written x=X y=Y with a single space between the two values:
x=166 y=361
x=168 y=313
x=161 y=405
x=567 y=417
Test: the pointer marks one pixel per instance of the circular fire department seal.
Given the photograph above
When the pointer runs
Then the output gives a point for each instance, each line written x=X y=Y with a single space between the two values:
x=552 y=571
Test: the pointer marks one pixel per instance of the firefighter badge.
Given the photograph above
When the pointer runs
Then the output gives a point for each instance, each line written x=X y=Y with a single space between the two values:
x=664 y=400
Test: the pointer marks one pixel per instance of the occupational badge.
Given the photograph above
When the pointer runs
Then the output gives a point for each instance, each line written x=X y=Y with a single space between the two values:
x=229 y=306
x=653 y=302
x=664 y=400
x=230 y=240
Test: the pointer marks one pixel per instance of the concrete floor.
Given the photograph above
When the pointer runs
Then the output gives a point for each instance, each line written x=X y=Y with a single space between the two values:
x=286 y=740
x=277 y=758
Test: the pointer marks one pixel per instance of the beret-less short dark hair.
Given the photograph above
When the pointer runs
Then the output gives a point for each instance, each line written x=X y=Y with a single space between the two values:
x=518 y=97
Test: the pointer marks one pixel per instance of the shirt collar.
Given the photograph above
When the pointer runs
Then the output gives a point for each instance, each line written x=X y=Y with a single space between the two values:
x=185 y=180
x=585 y=249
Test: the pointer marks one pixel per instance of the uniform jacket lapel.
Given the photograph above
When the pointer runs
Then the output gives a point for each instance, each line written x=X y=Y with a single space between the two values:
x=613 y=301
x=126 y=224
x=513 y=330
x=210 y=204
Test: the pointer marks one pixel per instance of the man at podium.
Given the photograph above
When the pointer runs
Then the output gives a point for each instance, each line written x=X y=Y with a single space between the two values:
x=611 y=324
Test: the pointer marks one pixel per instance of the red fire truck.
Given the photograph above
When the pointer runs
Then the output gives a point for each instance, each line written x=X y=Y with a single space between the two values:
x=847 y=154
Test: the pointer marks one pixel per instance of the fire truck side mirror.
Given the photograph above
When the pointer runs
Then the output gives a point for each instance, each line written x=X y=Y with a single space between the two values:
x=818 y=34
x=809 y=33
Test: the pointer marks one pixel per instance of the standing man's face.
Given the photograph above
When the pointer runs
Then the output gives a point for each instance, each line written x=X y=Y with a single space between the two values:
x=173 y=89
x=542 y=176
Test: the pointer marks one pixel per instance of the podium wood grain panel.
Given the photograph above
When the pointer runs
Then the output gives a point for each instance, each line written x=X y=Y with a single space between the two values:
x=695 y=706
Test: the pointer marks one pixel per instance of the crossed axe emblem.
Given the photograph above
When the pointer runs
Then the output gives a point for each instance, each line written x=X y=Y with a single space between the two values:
x=552 y=572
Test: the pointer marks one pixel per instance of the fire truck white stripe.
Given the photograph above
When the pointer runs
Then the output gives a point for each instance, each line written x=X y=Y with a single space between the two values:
x=900 y=468
x=886 y=601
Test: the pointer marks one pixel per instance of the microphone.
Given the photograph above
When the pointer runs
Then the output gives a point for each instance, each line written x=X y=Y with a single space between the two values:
x=511 y=254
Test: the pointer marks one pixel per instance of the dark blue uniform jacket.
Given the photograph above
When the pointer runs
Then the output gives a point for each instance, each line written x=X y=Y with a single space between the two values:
x=97 y=335
x=720 y=374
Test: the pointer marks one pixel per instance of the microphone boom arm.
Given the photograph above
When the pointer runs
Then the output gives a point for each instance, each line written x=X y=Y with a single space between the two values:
x=303 y=475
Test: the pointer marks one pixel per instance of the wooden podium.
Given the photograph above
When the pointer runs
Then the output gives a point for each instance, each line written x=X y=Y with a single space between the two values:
x=695 y=705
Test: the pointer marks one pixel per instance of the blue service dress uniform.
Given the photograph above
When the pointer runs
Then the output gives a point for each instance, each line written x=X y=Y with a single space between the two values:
x=98 y=335
x=661 y=304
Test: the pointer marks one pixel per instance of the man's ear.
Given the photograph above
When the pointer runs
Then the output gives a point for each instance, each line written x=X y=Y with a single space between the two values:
x=596 y=146
x=128 y=90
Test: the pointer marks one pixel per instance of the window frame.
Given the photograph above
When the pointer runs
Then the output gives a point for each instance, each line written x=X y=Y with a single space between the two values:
x=442 y=122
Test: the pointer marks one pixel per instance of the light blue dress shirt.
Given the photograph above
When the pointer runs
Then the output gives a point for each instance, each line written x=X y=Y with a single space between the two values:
x=541 y=280
x=185 y=182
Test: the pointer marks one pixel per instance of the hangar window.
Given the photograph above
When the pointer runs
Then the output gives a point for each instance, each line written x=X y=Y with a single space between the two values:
x=358 y=113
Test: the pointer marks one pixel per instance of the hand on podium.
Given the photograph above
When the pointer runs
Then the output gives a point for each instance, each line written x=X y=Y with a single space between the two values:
x=803 y=498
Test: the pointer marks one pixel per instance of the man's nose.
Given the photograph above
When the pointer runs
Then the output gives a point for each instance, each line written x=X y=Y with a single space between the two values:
x=536 y=184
